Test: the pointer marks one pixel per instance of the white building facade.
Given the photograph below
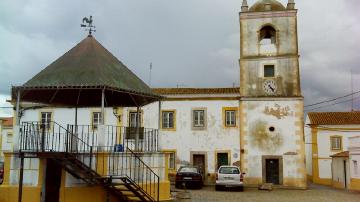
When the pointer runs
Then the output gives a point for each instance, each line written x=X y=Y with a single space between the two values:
x=327 y=134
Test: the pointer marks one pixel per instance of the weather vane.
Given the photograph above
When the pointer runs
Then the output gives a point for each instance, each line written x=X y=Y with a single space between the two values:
x=88 y=25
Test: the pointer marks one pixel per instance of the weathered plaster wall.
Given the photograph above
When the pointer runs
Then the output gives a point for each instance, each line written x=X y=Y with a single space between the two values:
x=285 y=141
x=285 y=25
x=283 y=55
x=185 y=140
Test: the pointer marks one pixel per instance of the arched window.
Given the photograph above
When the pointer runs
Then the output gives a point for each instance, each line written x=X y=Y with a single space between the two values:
x=267 y=35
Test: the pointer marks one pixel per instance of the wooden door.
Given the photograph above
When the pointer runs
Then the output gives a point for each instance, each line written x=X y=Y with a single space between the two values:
x=272 y=171
x=52 y=180
x=199 y=161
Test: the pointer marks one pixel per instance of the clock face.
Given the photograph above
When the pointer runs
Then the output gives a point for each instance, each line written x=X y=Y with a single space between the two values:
x=270 y=87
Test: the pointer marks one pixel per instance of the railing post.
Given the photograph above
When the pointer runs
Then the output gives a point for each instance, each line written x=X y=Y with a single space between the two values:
x=67 y=139
x=42 y=126
x=91 y=151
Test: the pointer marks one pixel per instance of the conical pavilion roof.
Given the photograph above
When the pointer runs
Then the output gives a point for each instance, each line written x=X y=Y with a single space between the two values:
x=86 y=67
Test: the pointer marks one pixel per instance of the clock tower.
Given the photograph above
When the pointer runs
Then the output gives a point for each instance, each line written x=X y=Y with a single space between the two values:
x=271 y=105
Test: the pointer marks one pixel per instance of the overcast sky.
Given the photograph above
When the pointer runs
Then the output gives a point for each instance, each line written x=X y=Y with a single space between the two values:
x=191 y=43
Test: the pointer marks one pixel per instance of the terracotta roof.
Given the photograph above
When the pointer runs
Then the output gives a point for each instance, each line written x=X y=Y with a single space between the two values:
x=334 y=118
x=7 y=122
x=341 y=154
x=186 y=91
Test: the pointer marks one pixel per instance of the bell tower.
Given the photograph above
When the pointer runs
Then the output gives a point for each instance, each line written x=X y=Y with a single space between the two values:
x=272 y=148
x=269 y=60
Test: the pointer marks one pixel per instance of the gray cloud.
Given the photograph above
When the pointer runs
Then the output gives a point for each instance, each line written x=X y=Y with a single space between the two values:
x=193 y=43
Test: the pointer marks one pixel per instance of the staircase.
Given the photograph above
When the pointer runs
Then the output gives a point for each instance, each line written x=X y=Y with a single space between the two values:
x=124 y=174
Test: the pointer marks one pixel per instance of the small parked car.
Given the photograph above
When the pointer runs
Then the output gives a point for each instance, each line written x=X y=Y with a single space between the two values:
x=1 y=172
x=229 y=177
x=189 y=176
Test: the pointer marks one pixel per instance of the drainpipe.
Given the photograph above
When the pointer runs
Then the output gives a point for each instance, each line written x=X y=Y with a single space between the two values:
x=17 y=124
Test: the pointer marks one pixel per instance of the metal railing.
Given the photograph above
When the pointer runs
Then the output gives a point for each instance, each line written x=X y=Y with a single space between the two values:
x=118 y=135
x=36 y=137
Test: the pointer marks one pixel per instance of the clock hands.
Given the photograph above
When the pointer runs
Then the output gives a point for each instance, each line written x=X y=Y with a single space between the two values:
x=272 y=89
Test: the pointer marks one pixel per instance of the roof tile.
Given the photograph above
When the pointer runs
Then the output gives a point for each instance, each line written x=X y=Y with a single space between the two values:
x=334 y=118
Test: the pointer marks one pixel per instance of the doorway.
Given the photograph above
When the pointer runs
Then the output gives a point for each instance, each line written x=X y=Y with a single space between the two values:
x=52 y=181
x=272 y=167
x=222 y=159
x=199 y=161
x=272 y=171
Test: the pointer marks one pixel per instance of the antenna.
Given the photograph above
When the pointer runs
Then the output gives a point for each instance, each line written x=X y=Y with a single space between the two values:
x=352 y=91
x=150 y=73
x=88 y=26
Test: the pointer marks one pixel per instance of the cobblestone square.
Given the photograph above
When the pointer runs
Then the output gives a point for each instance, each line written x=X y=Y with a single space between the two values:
x=313 y=194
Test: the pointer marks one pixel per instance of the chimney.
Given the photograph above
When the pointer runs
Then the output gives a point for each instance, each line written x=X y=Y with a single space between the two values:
x=291 y=5
x=244 y=6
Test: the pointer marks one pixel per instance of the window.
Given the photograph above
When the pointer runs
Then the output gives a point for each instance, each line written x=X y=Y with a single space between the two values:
x=356 y=168
x=172 y=160
x=133 y=119
x=198 y=118
x=46 y=120
x=230 y=118
x=9 y=138
x=336 y=143
x=96 y=120
x=267 y=35
x=168 y=119
x=269 y=71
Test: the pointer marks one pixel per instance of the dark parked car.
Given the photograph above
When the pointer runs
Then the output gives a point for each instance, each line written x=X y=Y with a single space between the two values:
x=1 y=172
x=189 y=176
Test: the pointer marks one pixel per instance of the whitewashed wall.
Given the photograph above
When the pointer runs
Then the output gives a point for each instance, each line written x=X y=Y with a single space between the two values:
x=7 y=141
x=260 y=116
x=64 y=116
x=185 y=140
x=324 y=147
x=354 y=148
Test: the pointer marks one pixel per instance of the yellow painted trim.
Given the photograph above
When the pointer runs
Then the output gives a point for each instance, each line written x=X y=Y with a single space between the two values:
x=119 y=123
x=341 y=143
x=102 y=163
x=167 y=152
x=7 y=164
x=355 y=184
x=224 y=109
x=242 y=123
x=228 y=152
x=174 y=121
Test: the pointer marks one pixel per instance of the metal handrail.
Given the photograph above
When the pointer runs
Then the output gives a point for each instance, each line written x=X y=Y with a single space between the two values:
x=52 y=137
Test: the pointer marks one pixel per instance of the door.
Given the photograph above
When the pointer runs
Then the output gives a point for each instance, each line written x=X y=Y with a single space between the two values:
x=222 y=160
x=199 y=161
x=272 y=171
x=52 y=181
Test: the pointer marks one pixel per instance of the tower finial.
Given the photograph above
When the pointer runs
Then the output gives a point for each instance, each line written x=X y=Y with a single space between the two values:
x=291 y=5
x=244 y=6
x=88 y=25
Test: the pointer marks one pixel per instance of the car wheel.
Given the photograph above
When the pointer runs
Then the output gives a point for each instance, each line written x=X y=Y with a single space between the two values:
x=217 y=188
